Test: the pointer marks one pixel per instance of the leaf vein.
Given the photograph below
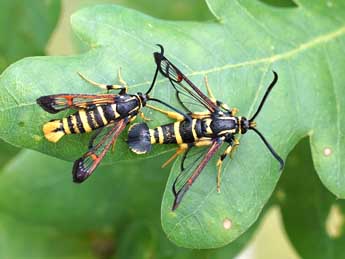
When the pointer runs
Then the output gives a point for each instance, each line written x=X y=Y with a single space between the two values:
x=337 y=107
x=321 y=39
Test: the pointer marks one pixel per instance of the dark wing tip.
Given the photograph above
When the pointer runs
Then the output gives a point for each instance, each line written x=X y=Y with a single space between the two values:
x=79 y=172
x=161 y=48
x=179 y=195
x=159 y=55
x=177 y=200
x=175 y=205
x=46 y=103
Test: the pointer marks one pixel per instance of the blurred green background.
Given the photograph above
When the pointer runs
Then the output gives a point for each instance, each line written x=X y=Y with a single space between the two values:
x=129 y=227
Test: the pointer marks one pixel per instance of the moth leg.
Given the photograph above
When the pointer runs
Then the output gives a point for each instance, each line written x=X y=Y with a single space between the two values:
x=200 y=115
x=181 y=149
x=142 y=115
x=122 y=82
x=224 y=106
x=236 y=143
x=203 y=142
x=131 y=119
x=209 y=91
x=227 y=151
x=122 y=87
x=233 y=111
x=170 y=114
x=184 y=146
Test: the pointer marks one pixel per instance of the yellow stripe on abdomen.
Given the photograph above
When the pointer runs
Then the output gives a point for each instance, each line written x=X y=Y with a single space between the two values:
x=152 y=136
x=101 y=113
x=195 y=136
x=177 y=133
x=116 y=114
x=160 y=135
x=65 y=126
x=83 y=118
x=74 y=123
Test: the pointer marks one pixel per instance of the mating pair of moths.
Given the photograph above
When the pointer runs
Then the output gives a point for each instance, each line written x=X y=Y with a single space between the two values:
x=109 y=114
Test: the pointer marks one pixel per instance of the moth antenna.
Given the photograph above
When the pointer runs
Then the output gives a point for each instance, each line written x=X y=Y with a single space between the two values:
x=156 y=72
x=274 y=81
x=270 y=148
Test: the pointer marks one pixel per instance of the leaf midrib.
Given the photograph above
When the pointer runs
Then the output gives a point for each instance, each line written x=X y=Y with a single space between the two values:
x=285 y=55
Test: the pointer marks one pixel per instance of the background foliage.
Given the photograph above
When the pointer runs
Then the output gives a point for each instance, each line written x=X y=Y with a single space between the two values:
x=128 y=195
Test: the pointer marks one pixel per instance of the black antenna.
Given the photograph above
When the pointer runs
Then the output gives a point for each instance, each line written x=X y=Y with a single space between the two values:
x=275 y=79
x=156 y=73
x=153 y=82
x=270 y=148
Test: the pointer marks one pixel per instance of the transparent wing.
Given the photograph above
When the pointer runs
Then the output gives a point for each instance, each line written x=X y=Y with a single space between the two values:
x=100 y=144
x=59 y=102
x=187 y=101
x=188 y=94
x=192 y=164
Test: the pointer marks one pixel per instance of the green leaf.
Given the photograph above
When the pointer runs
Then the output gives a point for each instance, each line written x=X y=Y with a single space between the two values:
x=20 y=239
x=20 y=39
x=154 y=244
x=44 y=214
x=25 y=27
x=7 y=152
x=313 y=218
x=49 y=182
x=280 y=3
x=175 y=10
x=237 y=51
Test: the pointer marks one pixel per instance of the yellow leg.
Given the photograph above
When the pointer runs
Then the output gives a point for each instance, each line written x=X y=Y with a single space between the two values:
x=181 y=149
x=172 y=115
x=219 y=166
x=122 y=86
x=142 y=115
x=234 y=111
x=227 y=151
x=209 y=91
x=234 y=148
x=225 y=107
x=200 y=115
x=132 y=119
x=219 y=103
x=120 y=79
x=203 y=142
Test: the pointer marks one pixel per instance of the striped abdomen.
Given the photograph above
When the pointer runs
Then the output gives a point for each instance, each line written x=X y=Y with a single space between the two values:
x=81 y=121
x=140 y=137
x=176 y=133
